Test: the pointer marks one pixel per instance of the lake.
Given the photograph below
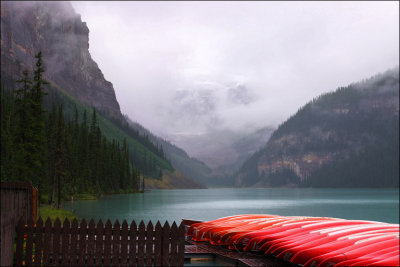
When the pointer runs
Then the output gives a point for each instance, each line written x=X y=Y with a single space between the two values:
x=208 y=204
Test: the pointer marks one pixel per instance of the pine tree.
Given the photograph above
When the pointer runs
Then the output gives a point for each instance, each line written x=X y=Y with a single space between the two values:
x=60 y=170
x=22 y=132
x=51 y=133
x=7 y=107
x=37 y=94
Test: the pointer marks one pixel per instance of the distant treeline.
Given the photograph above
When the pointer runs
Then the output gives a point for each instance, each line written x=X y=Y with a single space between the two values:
x=356 y=127
x=376 y=166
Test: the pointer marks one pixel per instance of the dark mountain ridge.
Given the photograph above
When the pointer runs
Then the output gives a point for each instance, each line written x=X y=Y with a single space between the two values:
x=55 y=29
x=357 y=124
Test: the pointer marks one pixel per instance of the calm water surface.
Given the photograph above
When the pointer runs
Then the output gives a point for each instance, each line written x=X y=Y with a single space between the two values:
x=208 y=204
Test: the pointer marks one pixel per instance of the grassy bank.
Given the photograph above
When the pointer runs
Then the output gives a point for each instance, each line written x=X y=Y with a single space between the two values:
x=86 y=197
x=49 y=211
x=52 y=212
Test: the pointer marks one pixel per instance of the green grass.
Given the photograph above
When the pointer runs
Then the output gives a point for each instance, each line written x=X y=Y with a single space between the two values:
x=51 y=212
x=85 y=196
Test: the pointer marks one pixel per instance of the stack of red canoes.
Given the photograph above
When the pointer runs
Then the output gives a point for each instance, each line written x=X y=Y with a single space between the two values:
x=307 y=241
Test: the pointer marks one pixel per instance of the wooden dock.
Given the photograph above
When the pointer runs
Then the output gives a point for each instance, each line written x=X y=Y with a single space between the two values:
x=195 y=251
x=203 y=251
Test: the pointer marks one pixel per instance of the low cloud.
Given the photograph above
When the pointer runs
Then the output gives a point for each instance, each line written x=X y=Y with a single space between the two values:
x=199 y=66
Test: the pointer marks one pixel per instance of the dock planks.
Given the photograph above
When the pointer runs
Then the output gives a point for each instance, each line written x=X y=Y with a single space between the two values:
x=204 y=250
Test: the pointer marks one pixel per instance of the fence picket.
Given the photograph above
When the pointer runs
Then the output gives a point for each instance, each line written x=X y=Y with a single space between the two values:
x=99 y=243
x=174 y=243
x=141 y=242
x=74 y=242
x=181 y=245
x=115 y=243
x=39 y=242
x=47 y=251
x=29 y=242
x=132 y=244
x=149 y=244
x=91 y=243
x=107 y=244
x=165 y=244
x=65 y=242
x=82 y=243
x=157 y=244
x=124 y=243
x=56 y=242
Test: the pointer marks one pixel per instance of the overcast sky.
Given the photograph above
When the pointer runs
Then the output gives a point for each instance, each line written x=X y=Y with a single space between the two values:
x=193 y=67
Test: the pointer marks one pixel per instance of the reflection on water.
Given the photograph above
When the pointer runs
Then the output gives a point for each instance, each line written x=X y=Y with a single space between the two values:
x=365 y=204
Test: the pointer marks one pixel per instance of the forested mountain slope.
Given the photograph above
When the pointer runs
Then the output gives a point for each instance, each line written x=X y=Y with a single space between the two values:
x=75 y=79
x=190 y=167
x=346 y=138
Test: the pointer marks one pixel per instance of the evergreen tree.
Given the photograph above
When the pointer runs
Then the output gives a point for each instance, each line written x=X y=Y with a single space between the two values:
x=23 y=140
x=60 y=156
x=37 y=149
x=59 y=153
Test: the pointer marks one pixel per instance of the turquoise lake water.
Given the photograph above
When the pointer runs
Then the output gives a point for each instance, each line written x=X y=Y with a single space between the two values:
x=208 y=204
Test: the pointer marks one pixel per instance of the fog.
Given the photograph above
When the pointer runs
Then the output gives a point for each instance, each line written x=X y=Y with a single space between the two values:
x=189 y=68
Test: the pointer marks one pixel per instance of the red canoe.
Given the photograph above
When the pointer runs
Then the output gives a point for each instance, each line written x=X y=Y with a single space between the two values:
x=308 y=241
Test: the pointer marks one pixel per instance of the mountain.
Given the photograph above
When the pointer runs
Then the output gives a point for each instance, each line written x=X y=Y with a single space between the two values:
x=55 y=29
x=204 y=121
x=190 y=167
x=224 y=151
x=75 y=79
x=345 y=138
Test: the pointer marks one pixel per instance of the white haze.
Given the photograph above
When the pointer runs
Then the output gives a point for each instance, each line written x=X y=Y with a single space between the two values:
x=197 y=67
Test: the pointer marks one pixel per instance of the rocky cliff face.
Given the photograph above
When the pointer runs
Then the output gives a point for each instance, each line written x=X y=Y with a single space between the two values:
x=330 y=129
x=55 y=29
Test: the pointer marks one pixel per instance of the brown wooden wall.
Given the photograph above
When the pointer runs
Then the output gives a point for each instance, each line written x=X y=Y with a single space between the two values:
x=18 y=199
x=90 y=244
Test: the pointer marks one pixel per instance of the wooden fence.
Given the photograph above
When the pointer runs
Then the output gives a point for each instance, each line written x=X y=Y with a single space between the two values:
x=71 y=244
x=18 y=199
